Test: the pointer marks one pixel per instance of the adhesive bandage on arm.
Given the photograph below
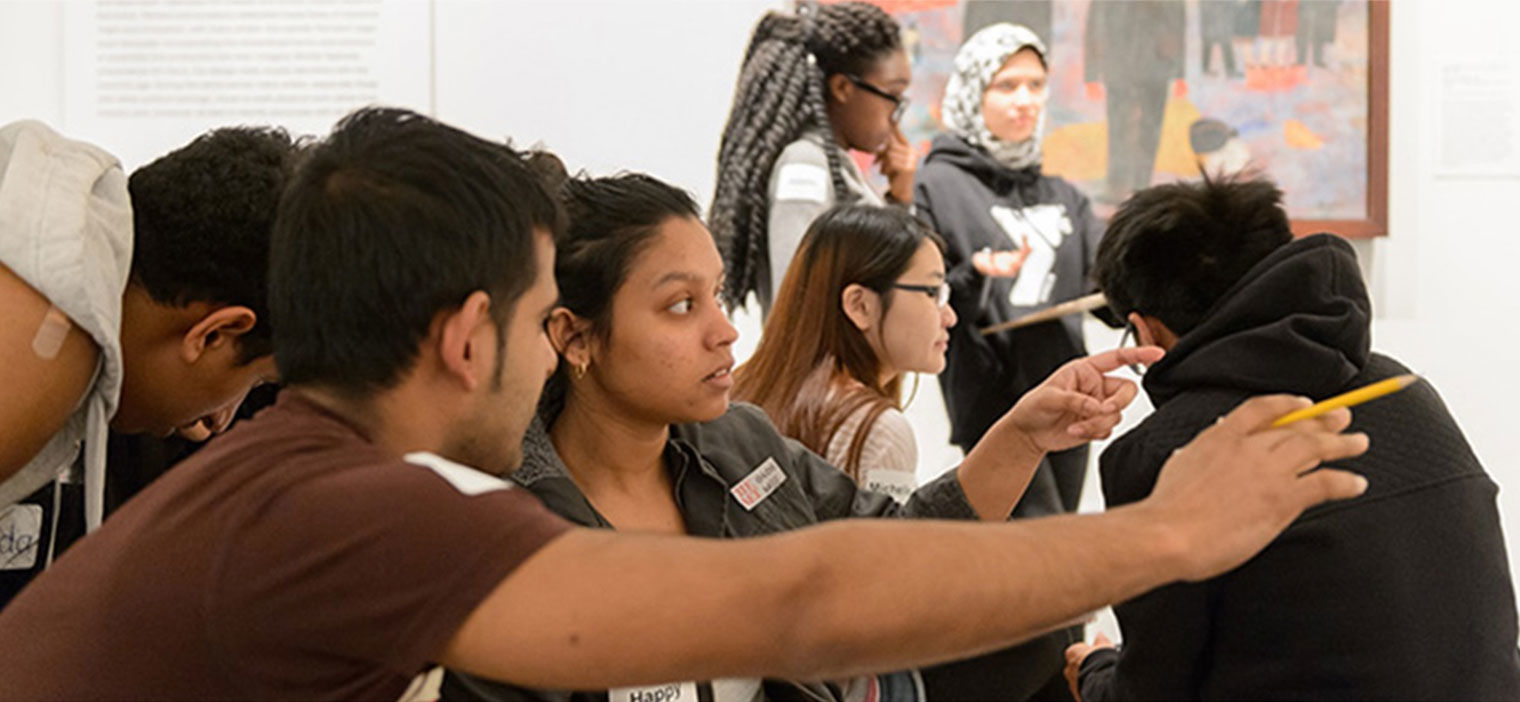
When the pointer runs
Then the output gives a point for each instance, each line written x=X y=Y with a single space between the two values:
x=51 y=334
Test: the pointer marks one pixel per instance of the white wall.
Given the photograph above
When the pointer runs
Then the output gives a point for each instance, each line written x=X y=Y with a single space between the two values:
x=646 y=86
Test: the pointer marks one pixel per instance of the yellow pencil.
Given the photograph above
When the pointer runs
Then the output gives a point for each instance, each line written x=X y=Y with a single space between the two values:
x=1355 y=397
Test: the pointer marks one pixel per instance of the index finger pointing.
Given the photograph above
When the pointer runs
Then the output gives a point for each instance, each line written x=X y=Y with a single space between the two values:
x=1115 y=359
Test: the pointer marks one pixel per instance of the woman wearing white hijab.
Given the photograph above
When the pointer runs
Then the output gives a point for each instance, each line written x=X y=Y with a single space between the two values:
x=1018 y=241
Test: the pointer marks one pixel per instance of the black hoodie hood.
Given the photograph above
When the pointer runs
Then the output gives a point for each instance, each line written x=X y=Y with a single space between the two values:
x=1298 y=322
x=954 y=150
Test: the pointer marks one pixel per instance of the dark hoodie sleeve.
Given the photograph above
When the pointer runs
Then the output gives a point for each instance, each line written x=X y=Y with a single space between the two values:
x=1166 y=631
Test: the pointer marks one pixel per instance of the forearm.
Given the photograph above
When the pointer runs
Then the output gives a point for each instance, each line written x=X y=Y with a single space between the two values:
x=967 y=589
x=997 y=471
x=599 y=610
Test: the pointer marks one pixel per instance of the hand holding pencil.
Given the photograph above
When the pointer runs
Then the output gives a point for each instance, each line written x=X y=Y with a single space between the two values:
x=1349 y=399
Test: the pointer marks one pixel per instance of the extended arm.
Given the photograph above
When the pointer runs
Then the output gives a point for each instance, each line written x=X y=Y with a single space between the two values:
x=597 y=609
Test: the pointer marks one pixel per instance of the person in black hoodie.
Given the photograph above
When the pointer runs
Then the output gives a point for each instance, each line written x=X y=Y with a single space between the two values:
x=1017 y=241
x=1402 y=593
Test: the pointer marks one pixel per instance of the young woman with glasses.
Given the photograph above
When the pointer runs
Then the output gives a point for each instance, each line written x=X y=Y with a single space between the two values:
x=813 y=85
x=863 y=304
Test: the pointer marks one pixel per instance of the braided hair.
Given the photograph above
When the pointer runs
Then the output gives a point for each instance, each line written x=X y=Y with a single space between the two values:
x=779 y=95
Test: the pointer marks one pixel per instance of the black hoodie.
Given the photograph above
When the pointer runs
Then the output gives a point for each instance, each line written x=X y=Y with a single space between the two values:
x=1402 y=593
x=957 y=190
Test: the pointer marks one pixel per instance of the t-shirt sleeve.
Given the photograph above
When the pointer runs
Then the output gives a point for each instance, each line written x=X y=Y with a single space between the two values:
x=375 y=569
x=801 y=188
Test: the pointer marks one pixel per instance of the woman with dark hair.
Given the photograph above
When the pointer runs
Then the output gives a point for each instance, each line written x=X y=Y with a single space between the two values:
x=812 y=85
x=636 y=431
x=862 y=305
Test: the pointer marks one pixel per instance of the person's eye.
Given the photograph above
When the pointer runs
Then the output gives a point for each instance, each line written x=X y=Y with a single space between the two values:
x=681 y=307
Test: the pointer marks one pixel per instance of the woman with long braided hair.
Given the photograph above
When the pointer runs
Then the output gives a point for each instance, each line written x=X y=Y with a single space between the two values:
x=813 y=84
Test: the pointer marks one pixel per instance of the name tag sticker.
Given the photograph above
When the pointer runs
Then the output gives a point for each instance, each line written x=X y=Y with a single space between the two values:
x=20 y=532
x=759 y=484
x=803 y=181
x=898 y=484
x=668 y=692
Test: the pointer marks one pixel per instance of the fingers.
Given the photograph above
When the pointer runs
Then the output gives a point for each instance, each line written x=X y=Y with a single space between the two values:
x=1329 y=484
x=1114 y=359
x=1057 y=400
x=1120 y=393
x=1333 y=422
x=1102 y=641
x=1304 y=450
x=1259 y=412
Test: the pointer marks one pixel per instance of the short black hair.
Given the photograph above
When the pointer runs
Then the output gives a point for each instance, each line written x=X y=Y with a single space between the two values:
x=393 y=219
x=1172 y=250
x=202 y=220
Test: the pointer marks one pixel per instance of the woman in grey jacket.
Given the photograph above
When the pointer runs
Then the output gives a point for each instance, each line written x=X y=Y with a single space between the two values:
x=637 y=433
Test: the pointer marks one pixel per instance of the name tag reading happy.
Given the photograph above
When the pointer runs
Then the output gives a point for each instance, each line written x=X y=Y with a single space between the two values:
x=669 y=692
x=759 y=484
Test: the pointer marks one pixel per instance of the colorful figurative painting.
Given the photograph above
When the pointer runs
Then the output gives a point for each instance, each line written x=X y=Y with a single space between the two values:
x=1150 y=91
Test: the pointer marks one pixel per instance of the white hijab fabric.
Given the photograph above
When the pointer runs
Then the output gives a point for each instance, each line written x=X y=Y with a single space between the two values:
x=978 y=60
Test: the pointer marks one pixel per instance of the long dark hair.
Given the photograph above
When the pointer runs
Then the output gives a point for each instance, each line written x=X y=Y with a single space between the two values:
x=813 y=367
x=780 y=94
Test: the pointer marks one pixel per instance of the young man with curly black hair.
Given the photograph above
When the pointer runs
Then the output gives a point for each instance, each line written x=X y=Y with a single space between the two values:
x=193 y=336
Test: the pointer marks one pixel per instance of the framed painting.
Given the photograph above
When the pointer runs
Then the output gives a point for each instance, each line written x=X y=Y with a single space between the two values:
x=1144 y=92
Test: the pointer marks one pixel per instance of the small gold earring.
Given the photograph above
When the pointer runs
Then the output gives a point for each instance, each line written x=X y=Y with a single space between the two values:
x=580 y=370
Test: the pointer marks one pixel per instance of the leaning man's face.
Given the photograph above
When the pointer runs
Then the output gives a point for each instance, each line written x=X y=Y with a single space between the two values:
x=530 y=360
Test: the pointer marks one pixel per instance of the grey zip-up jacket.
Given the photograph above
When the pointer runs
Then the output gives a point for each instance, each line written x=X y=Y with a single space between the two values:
x=707 y=461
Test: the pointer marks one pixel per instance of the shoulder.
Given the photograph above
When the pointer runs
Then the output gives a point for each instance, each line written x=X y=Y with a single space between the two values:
x=1129 y=465
x=741 y=436
x=891 y=442
x=801 y=173
x=804 y=150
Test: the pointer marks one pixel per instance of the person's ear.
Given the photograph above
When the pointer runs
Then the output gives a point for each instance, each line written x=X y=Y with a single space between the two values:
x=570 y=335
x=466 y=340
x=840 y=87
x=862 y=305
x=217 y=333
x=1150 y=331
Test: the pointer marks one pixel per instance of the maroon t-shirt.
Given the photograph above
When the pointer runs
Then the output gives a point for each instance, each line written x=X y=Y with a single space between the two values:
x=290 y=558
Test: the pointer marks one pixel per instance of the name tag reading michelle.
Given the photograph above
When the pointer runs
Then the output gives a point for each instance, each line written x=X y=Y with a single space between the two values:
x=668 y=692
x=898 y=484
x=759 y=484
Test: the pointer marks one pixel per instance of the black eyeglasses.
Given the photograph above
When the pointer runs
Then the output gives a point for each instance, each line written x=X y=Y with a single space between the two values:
x=1130 y=334
x=899 y=103
x=939 y=293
